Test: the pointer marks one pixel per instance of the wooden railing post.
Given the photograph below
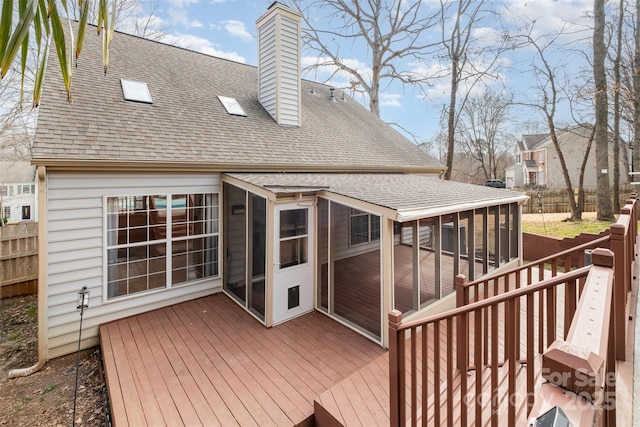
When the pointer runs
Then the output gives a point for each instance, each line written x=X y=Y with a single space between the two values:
x=462 y=293
x=619 y=248
x=582 y=362
x=396 y=371
x=462 y=327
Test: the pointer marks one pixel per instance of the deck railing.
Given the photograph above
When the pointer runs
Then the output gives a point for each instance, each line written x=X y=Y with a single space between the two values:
x=581 y=368
x=621 y=240
x=501 y=323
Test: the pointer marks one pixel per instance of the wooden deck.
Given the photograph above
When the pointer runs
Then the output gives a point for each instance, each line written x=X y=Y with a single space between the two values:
x=208 y=362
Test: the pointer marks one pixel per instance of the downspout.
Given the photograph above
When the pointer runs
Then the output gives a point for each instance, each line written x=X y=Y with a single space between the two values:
x=42 y=282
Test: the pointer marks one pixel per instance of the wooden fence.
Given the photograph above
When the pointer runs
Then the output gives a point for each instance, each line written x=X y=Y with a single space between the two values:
x=557 y=201
x=18 y=259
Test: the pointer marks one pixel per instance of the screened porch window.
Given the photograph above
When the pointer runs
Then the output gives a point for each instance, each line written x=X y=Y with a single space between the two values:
x=293 y=237
x=364 y=227
x=158 y=241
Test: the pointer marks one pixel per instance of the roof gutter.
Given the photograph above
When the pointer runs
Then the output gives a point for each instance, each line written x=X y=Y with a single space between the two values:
x=404 y=215
x=154 y=166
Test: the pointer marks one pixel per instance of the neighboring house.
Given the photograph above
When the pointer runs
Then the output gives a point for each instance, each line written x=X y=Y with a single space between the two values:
x=530 y=165
x=18 y=190
x=537 y=161
x=177 y=175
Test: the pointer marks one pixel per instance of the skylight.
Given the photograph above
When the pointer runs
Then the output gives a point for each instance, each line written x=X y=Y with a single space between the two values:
x=136 y=91
x=232 y=106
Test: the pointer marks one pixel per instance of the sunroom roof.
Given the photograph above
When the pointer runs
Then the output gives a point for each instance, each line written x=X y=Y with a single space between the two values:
x=410 y=196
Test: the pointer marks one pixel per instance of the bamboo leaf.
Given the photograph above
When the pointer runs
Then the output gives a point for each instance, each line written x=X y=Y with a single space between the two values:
x=19 y=33
x=84 y=15
x=40 y=72
x=25 y=52
x=57 y=32
x=102 y=15
x=7 y=23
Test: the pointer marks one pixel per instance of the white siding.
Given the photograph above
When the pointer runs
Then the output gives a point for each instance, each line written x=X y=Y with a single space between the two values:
x=279 y=67
x=290 y=72
x=75 y=251
x=267 y=44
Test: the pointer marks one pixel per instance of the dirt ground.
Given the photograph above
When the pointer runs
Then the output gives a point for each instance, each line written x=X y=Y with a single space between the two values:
x=46 y=397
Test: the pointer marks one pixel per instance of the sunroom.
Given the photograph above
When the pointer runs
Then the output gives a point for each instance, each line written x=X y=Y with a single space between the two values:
x=355 y=246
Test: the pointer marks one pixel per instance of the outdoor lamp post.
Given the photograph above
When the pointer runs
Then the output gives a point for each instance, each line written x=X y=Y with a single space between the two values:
x=83 y=302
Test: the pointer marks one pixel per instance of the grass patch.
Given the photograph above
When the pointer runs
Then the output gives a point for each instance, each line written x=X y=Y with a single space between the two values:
x=49 y=388
x=559 y=229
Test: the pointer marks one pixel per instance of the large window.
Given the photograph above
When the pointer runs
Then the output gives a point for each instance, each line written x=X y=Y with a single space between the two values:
x=4 y=190
x=157 y=241
x=364 y=227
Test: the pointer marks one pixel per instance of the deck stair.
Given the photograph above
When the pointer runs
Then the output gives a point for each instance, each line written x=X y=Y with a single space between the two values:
x=362 y=399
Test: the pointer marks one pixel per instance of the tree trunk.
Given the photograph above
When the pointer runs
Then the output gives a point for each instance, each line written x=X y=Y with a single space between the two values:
x=636 y=97
x=616 y=112
x=451 y=119
x=575 y=214
x=605 y=212
x=583 y=167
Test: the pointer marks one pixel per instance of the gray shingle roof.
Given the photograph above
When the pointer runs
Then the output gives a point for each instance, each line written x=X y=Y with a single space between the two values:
x=187 y=124
x=532 y=141
x=411 y=196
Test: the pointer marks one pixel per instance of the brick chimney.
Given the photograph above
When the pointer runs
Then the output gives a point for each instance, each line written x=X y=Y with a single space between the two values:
x=279 y=88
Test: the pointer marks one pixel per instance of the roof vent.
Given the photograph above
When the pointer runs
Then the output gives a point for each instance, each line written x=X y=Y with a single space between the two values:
x=232 y=106
x=332 y=95
x=136 y=91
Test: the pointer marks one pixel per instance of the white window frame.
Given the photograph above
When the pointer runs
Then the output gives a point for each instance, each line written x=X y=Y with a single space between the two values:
x=167 y=241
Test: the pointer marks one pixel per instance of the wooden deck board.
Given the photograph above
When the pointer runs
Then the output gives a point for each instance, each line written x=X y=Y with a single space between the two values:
x=208 y=362
x=167 y=405
x=145 y=390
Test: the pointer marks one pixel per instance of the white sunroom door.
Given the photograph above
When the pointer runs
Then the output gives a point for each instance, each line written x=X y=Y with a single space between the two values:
x=294 y=260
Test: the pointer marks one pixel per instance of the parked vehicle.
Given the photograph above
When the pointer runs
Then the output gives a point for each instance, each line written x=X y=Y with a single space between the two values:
x=495 y=183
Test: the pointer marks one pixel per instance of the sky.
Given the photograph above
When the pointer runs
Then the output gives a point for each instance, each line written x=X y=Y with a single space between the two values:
x=226 y=28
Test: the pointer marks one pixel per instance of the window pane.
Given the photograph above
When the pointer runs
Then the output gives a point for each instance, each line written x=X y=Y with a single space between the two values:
x=293 y=252
x=293 y=223
x=375 y=227
x=359 y=229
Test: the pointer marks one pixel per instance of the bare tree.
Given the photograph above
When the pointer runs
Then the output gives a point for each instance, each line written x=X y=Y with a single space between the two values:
x=481 y=130
x=470 y=61
x=137 y=17
x=605 y=212
x=391 y=32
x=546 y=76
